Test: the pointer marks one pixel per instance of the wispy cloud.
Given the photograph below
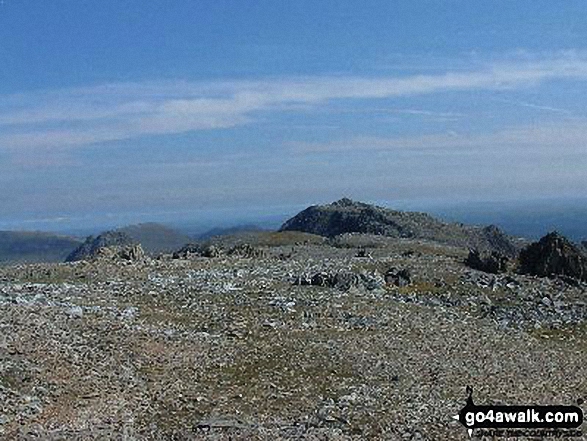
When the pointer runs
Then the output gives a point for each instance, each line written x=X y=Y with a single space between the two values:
x=533 y=106
x=555 y=138
x=82 y=116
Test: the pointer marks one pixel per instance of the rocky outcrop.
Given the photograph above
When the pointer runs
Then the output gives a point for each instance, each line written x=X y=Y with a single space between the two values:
x=489 y=262
x=347 y=216
x=130 y=253
x=94 y=246
x=554 y=255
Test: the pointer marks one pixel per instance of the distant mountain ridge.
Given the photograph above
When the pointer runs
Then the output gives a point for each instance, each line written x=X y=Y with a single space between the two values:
x=217 y=232
x=35 y=246
x=348 y=216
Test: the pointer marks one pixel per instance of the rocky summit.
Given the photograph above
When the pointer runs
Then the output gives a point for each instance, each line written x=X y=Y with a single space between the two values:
x=554 y=255
x=348 y=216
x=93 y=245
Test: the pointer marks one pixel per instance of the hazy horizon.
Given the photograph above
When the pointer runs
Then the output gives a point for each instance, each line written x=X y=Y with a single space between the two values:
x=530 y=219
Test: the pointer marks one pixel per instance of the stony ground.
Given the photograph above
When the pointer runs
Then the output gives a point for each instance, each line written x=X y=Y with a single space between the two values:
x=232 y=348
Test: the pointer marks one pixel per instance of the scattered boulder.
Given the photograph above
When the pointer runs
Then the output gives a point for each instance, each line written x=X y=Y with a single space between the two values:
x=196 y=250
x=187 y=251
x=362 y=253
x=246 y=251
x=372 y=280
x=398 y=277
x=345 y=280
x=130 y=253
x=321 y=279
x=489 y=262
x=212 y=251
x=553 y=255
x=342 y=280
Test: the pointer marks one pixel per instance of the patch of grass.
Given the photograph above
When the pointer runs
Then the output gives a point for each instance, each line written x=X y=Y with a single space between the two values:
x=420 y=287
x=577 y=333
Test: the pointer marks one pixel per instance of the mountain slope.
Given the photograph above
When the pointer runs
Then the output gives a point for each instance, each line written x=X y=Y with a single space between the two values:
x=229 y=231
x=347 y=216
x=156 y=238
x=33 y=246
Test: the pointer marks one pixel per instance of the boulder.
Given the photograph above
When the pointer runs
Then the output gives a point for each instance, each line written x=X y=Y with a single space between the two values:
x=398 y=277
x=212 y=251
x=553 y=255
x=342 y=280
x=489 y=262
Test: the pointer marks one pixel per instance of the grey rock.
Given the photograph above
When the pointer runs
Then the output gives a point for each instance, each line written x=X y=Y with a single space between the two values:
x=553 y=255
x=398 y=277
x=489 y=262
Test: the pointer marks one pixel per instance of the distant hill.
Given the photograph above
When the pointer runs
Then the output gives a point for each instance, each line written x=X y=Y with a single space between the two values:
x=34 y=246
x=156 y=238
x=347 y=216
x=237 y=229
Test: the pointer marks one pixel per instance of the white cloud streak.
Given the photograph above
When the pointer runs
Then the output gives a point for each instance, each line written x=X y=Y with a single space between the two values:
x=554 y=139
x=83 y=116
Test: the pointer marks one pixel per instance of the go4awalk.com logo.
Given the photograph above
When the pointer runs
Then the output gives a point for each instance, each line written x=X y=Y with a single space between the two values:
x=521 y=420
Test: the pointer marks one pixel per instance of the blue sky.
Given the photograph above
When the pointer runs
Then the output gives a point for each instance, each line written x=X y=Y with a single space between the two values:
x=131 y=110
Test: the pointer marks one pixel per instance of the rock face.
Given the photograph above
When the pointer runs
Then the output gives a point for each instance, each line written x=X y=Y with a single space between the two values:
x=347 y=216
x=489 y=262
x=554 y=255
x=94 y=246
